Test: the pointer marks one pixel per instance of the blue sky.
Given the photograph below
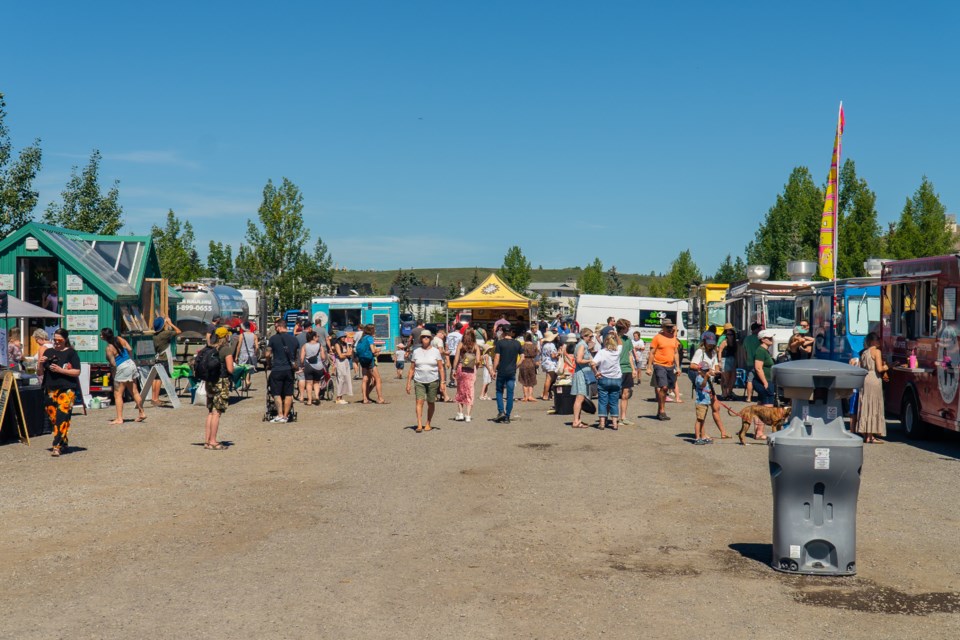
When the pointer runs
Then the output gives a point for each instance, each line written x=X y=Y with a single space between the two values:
x=434 y=134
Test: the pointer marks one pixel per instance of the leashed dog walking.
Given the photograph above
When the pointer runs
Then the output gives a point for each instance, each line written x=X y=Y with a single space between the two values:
x=773 y=417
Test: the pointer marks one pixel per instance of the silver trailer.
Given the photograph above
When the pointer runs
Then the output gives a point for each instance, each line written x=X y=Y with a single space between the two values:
x=202 y=303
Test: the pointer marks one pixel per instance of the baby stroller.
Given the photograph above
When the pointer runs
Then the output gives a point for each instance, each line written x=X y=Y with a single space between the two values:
x=270 y=411
x=326 y=385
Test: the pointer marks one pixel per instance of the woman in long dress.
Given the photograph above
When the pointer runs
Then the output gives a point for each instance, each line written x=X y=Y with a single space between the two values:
x=871 y=422
x=528 y=368
x=343 y=353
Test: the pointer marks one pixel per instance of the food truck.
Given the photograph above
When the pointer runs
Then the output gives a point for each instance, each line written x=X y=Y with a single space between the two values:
x=769 y=303
x=839 y=336
x=94 y=281
x=337 y=313
x=918 y=307
x=707 y=307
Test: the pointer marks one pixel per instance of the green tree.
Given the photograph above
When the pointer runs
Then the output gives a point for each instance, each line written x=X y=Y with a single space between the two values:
x=730 y=271
x=635 y=289
x=475 y=280
x=791 y=228
x=859 y=234
x=404 y=282
x=246 y=271
x=516 y=270
x=453 y=291
x=658 y=288
x=922 y=228
x=220 y=261
x=84 y=207
x=614 y=282
x=275 y=249
x=17 y=196
x=174 y=243
x=683 y=273
x=592 y=279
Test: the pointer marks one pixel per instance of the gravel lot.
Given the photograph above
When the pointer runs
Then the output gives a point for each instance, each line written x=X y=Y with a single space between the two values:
x=347 y=524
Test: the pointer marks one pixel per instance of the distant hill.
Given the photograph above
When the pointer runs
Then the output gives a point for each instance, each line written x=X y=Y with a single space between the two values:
x=381 y=280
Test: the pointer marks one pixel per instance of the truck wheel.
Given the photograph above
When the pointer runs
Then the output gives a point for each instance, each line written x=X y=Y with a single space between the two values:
x=913 y=426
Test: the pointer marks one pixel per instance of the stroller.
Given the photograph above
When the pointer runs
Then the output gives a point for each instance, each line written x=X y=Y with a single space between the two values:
x=270 y=411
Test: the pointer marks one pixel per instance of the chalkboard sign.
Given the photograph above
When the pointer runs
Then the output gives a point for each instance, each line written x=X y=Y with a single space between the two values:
x=381 y=325
x=10 y=394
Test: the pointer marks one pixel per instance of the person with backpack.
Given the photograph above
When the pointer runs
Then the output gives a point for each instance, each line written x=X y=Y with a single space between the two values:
x=283 y=363
x=124 y=373
x=214 y=366
x=312 y=356
x=367 y=352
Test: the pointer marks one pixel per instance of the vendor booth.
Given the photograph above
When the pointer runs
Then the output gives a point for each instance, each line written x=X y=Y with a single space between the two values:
x=93 y=282
x=489 y=301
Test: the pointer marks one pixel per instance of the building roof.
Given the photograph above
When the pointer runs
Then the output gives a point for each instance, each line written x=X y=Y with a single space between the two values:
x=572 y=286
x=116 y=263
x=422 y=293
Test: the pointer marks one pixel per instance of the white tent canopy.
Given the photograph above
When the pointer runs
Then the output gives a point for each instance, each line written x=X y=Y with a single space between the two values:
x=17 y=308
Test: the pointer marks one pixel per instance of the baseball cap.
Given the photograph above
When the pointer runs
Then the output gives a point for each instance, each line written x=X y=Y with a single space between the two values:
x=709 y=338
x=766 y=333
x=222 y=332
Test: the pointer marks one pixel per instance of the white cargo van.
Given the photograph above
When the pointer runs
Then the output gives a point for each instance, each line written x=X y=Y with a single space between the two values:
x=644 y=314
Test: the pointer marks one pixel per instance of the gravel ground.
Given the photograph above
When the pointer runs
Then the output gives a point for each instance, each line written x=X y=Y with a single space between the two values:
x=347 y=524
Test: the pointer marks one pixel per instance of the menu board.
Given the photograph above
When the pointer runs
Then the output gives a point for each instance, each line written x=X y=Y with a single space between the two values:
x=6 y=281
x=74 y=283
x=381 y=325
x=83 y=302
x=82 y=323
x=84 y=343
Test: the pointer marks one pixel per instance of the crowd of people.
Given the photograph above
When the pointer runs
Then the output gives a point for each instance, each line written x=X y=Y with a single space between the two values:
x=444 y=367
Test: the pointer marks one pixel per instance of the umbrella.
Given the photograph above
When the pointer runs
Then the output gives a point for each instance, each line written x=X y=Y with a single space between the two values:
x=17 y=308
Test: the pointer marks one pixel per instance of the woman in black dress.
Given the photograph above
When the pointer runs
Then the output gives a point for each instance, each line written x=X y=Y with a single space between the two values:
x=61 y=372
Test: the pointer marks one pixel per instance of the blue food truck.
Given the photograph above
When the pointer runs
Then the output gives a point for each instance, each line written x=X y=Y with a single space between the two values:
x=340 y=313
x=840 y=336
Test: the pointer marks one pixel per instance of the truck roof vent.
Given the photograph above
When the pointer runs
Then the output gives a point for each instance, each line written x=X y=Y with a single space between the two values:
x=757 y=272
x=801 y=270
x=873 y=267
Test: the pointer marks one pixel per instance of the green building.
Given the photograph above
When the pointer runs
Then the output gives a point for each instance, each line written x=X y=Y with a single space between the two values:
x=93 y=281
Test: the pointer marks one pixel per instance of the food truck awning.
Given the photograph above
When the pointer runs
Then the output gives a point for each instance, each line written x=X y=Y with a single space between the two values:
x=17 y=308
x=493 y=293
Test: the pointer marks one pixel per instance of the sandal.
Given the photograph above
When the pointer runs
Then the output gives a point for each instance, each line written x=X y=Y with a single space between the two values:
x=579 y=426
x=427 y=428
x=760 y=437
x=55 y=452
x=726 y=436
x=115 y=422
x=142 y=418
x=419 y=429
x=215 y=447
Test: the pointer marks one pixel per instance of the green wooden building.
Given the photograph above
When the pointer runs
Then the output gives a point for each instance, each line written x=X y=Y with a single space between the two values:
x=93 y=281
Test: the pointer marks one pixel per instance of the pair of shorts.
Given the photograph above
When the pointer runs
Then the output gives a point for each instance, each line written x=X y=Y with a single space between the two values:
x=218 y=395
x=126 y=372
x=281 y=382
x=299 y=376
x=664 y=376
x=367 y=363
x=427 y=390
x=312 y=375
x=765 y=395
x=626 y=381
x=400 y=364
x=702 y=410
x=729 y=365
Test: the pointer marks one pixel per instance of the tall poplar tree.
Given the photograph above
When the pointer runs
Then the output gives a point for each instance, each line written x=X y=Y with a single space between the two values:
x=592 y=279
x=859 y=234
x=174 y=243
x=922 y=228
x=516 y=270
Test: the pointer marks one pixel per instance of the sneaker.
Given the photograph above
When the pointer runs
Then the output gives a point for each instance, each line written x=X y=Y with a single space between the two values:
x=662 y=416
x=699 y=441
x=459 y=417
x=279 y=419
x=506 y=420
x=500 y=418
x=626 y=423
x=466 y=418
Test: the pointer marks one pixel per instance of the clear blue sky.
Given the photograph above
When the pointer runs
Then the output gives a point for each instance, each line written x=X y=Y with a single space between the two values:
x=439 y=133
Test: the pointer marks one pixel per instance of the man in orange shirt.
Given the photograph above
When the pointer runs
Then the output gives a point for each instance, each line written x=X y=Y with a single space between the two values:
x=664 y=364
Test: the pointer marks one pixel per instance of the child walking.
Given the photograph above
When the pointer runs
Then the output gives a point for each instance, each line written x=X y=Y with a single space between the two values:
x=400 y=358
x=703 y=402
x=487 y=371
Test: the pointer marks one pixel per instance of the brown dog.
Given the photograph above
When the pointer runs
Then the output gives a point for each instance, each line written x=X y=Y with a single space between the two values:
x=773 y=417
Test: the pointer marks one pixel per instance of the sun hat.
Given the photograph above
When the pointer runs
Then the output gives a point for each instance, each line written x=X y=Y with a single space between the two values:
x=550 y=336
x=222 y=332
x=766 y=333
x=571 y=338
x=426 y=333
x=728 y=327
x=158 y=323
x=341 y=334
x=666 y=322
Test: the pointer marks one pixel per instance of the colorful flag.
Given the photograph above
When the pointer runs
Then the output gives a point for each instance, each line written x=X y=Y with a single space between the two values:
x=828 y=221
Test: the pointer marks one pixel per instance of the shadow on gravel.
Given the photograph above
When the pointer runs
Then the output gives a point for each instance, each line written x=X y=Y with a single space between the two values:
x=226 y=443
x=940 y=441
x=756 y=551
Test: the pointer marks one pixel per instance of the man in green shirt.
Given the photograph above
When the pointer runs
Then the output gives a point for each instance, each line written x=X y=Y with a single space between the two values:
x=750 y=345
x=626 y=368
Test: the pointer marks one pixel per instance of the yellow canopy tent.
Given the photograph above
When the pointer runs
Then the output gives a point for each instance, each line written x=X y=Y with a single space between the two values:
x=493 y=293
x=491 y=299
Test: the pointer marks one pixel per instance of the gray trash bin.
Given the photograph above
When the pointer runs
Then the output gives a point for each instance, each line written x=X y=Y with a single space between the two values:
x=815 y=471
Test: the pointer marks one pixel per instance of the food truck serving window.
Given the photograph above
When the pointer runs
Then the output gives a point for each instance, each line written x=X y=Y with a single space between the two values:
x=862 y=313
